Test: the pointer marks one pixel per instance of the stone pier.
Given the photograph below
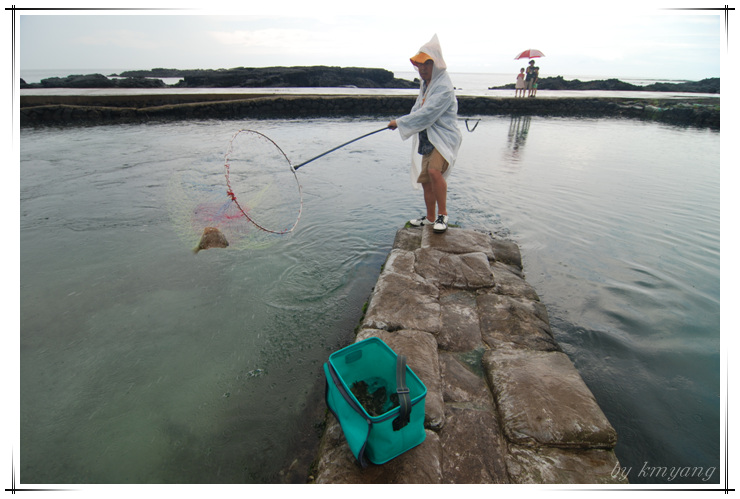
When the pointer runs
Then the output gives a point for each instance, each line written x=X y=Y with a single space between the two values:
x=55 y=110
x=504 y=403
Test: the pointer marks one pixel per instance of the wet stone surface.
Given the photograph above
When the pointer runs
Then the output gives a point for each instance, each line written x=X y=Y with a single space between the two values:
x=504 y=404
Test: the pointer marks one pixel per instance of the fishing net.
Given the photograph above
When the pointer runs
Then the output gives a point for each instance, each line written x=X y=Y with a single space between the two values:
x=262 y=183
x=198 y=202
x=257 y=195
x=243 y=204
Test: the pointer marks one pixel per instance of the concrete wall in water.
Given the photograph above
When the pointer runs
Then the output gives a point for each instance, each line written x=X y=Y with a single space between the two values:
x=504 y=403
x=57 y=109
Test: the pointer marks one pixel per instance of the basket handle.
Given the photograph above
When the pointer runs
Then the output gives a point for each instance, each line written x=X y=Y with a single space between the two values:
x=404 y=399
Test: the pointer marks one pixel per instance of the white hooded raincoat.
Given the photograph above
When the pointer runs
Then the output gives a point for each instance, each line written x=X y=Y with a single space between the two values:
x=435 y=110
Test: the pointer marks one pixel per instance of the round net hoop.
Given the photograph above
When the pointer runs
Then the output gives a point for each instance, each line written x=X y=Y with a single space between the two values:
x=262 y=182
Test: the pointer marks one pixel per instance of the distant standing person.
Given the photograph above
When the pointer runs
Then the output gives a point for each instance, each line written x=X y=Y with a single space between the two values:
x=533 y=82
x=529 y=80
x=432 y=123
x=520 y=84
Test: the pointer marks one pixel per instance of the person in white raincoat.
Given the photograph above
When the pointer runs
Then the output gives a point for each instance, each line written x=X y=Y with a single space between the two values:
x=432 y=123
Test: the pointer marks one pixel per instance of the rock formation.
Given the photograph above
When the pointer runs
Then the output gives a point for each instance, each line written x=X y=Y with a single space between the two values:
x=270 y=77
x=504 y=404
x=705 y=86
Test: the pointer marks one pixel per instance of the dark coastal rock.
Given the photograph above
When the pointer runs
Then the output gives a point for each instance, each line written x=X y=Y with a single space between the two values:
x=156 y=73
x=559 y=83
x=94 y=81
x=705 y=86
x=270 y=77
x=138 y=83
x=279 y=76
x=78 y=81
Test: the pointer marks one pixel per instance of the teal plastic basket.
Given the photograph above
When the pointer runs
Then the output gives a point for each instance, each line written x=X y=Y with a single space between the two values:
x=381 y=436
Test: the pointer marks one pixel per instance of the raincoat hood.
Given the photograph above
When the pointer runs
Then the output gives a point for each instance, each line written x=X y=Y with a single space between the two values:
x=433 y=50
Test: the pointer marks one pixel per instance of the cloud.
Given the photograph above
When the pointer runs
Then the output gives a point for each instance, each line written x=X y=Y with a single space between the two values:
x=580 y=42
x=123 y=38
x=340 y=43
x=273 y=41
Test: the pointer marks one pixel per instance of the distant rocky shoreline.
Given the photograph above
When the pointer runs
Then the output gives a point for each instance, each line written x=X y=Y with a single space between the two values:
x=705 y=86
x=270 y=77
x=326 y=76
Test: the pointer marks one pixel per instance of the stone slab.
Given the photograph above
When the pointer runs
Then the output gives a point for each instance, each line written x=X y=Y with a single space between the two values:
x=463 y=388
x=510 y=283
x=545 y=465
x=400 y=262
x=337 y=464
x=407 y=239
x=506 y=252
x=504 y=404
x=512 y=323
x=543 y=401
x=457 y=241
x=473 y=450
x=462 y=271
x=460 y=330
x=402 y=301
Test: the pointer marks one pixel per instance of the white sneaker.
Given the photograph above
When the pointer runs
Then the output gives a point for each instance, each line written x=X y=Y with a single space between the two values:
x=418 y=222
x=440 y=225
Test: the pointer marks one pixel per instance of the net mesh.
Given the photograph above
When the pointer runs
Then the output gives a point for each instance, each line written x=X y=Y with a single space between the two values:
x=262 y=183
x=251 y=199
x=195 y=205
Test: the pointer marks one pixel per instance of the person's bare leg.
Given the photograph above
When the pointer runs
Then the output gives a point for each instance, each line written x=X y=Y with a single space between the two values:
x=438 y=188
x=430 y=200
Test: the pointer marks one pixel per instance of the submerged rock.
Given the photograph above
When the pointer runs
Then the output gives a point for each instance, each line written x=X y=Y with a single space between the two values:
x=211 y=238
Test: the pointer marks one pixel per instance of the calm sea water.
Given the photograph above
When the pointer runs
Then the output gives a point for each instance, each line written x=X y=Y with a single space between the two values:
x=143 y=363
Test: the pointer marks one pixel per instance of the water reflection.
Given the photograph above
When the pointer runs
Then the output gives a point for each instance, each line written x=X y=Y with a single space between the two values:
x=471 y=124
x=518 y=130
x=517 y=136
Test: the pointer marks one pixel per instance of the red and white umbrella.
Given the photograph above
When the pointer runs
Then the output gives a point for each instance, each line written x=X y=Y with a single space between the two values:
x=530 y=54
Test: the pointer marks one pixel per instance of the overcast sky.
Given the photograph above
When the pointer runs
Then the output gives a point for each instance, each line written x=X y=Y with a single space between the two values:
x=635 y=42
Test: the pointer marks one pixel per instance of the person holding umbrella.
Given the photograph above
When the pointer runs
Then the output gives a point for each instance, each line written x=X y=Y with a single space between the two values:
x=432 y=123
x=531 y=78
x=533 y=72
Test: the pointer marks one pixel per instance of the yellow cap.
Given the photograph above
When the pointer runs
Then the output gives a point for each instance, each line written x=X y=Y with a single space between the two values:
x=420 y=58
